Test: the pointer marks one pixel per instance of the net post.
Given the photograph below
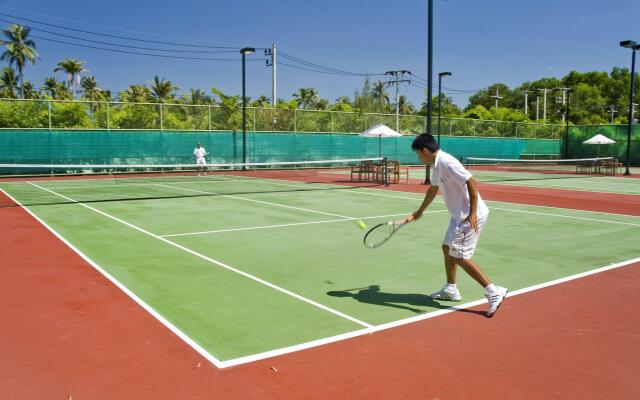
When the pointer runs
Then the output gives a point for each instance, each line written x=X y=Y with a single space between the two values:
x=385 y=171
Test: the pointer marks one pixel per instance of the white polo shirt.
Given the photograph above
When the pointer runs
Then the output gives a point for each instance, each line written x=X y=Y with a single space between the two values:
x=451 y=178
x=199 y=152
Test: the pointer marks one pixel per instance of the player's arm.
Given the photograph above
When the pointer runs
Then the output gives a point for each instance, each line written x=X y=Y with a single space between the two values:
x=472 y=188
x=428 y=199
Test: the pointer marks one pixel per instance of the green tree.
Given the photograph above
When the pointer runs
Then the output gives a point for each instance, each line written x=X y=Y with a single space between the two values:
x=56 y=89
x=485 y=97
x=478 y=112
x=231 y=110
x=162 y=90
x=379 y=96
x=306 y=98
x=8 y=83
x=261 y=102
x=405 y=106
x=136 y=94
x=363 y=100
x=91 y=90
x=28 y=91
x=449 y=109
x=20 y=48
x=73 y=68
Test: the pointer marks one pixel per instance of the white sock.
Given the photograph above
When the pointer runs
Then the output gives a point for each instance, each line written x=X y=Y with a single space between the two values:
x=490 y=288
x=451 y=287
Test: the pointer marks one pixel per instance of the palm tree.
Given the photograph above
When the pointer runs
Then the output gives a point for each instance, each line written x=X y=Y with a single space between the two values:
x=380 y=97
x=196 y=97
x=136 y=94
x=405 y=105
x=343 y=100
x=8 y=83
x=230 y=107
x=56 y=89
x=20 y=49
x=306 y=97
x=73 y=68
x=92 y=91
x=261 y=102
x=28 y=91
x=162 y=90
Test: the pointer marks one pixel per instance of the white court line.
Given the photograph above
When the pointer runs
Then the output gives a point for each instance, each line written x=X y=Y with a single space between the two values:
x=255 y=201
x=604 y=190
x=415 y=197
x=394 y=324
x=292 y=224
x=122 y=287
x=370 y=329
x=211 y=260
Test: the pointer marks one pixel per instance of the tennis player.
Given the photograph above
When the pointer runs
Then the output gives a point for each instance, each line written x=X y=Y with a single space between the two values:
x=468 y=216
x=199 y=153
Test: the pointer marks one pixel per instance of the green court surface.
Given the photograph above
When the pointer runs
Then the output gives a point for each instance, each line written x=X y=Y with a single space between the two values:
x=262 y=270
x=590 y=183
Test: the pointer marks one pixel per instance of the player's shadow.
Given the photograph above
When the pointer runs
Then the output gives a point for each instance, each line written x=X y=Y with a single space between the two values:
x=404 y=301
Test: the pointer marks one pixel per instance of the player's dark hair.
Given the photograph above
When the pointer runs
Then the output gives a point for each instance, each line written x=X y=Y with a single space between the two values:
x=427 y=141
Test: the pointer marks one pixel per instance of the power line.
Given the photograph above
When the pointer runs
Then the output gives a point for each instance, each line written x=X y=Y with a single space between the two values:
x=106 y=26
x=139 y=53
x=322 y=68
x=116 y=36
x=121 y=45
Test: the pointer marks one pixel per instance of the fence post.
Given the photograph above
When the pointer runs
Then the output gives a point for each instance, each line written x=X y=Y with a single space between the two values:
x=295 y=120
x=161 y=126
x=49 y=110
x=254 y=119
x=331 y=122
x=209 y=119
x=108 y=117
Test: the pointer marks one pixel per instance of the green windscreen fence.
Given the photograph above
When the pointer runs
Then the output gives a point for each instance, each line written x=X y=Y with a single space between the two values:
x=176 y=147
x=619 y=133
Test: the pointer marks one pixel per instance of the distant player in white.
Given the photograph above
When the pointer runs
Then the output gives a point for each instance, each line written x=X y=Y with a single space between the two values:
x=199 y=153
x=468 y=216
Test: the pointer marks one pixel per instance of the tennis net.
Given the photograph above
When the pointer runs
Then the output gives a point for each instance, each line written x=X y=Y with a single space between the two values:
x=43 y=184
x=496 y=169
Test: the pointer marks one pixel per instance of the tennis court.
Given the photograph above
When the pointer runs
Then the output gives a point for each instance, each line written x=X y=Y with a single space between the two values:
x=244 y=267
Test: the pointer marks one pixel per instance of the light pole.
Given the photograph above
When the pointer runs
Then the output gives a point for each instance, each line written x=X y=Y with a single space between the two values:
x=630 y=44
x=440 y=75
x=245 y=52
x=427 y=177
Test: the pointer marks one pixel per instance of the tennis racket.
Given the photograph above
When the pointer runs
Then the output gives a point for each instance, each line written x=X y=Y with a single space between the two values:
x=381 y=233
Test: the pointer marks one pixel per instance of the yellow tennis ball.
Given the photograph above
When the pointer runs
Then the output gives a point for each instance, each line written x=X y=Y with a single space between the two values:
x=362 y=225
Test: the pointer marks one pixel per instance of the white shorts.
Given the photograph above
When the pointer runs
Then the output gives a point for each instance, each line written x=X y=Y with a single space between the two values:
x=462 y=239
x=201 y=161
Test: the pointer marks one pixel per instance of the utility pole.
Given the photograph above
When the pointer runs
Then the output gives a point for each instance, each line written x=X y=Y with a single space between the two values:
x=612 y=111
x=497 y=97
x=272 y=63
x=537 y=108
x=398 y=77
x=544 y=105
x=526 y=103
x=564 y=100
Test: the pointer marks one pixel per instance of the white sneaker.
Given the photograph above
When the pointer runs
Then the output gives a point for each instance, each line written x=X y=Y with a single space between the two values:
x=444 y=294
x=495 y=299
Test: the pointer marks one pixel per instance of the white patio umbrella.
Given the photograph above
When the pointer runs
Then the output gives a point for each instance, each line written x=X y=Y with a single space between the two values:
x=598 y=140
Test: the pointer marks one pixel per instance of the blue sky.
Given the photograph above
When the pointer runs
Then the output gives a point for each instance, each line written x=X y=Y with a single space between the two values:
x=480 y=42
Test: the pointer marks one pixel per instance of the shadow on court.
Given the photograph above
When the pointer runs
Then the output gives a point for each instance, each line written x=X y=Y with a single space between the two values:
x=373 y=295
x=403 y=301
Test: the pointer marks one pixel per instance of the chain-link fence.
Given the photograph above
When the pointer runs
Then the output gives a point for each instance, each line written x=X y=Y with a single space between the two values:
x=81 y=114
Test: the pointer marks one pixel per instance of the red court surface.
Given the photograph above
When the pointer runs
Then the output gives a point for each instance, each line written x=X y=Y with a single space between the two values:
x=67 y=333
